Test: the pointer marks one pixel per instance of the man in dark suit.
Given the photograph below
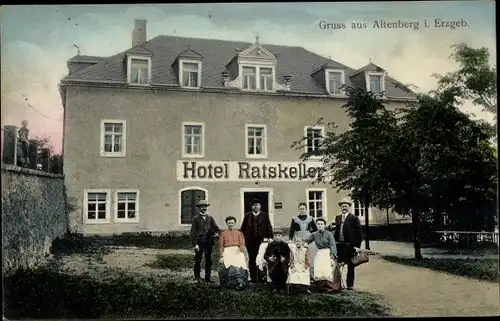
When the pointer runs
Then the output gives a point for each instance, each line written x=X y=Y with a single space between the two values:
x=347 y=233
x=256 y=226
x=203 y=231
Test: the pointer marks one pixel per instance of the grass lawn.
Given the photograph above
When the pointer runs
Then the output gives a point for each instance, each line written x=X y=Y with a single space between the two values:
x=481 y=269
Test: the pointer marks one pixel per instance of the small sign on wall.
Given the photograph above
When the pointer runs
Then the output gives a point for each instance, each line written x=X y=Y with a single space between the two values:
x=278 y=206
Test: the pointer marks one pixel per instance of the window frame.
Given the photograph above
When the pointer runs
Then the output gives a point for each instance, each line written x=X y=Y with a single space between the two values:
x=323 y=202
x=315 y=127
x=264 y=141
x=115 y=207
x=368 y=74
x=361 y=213
x=183 y=140
x=129 y=70
x=179 y=199
x=342 y=81
x=123 y=152
x=86 y=220
x=257 y=77
x=181 y=72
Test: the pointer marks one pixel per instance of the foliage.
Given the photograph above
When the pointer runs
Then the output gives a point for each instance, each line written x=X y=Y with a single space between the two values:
x=475 y=79
x=46 y=293
x=481 y=269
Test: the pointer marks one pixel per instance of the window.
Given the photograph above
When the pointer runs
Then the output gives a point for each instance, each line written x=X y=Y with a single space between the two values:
x=260 y=78
x=189 y=197
x=96 y=206
x=335 y=80
x=113 y=138
x=190 y=75
x=256 y=141
x=139 y=70
x=249 y=78
x=375 y=82
x=193 y=140
x=127 y=205
x=266 y=78
x=359 y=209
x=314 y=136
x=316 y=200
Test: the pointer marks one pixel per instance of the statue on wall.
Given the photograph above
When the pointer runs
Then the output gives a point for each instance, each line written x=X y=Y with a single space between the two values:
x=23 y=136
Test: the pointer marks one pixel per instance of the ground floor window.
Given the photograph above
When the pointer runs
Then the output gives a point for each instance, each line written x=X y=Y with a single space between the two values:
x=316 y=200
x=96 y=207
x=189 y=197
x=359 y=209
x=127 y=205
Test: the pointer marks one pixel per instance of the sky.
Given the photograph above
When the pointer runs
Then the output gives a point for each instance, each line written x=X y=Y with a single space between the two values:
x=37 y=41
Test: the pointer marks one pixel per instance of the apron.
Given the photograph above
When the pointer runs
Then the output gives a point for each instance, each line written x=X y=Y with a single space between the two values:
x=233 y=256
x=305 y=233
x=259 y=260
x=301 y=274
x=323 y=269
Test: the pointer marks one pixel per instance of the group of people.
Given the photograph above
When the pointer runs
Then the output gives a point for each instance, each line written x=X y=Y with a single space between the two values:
x=257 y=253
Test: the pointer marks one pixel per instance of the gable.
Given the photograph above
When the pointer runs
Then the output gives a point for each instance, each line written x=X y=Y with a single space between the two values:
x=257 y=51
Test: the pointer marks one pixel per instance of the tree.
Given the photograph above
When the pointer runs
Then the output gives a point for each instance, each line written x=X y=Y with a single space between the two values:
x=55 y=160
x=475 y=79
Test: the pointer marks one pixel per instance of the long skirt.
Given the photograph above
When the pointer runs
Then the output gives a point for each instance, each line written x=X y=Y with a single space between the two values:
x=261 y=263
x=234 y=272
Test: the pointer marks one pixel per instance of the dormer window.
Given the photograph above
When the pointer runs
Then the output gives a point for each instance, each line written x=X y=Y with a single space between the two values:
x=375 y=82
x=190 y=73
x=334 y=81
x=266 y=78
x=249 y=75
x=257 y=78
x=139 y=70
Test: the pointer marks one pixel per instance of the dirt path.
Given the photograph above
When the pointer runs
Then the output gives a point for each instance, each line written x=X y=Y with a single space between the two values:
x=419 y=292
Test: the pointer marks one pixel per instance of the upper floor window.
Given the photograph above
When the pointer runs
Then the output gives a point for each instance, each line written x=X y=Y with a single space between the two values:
x=257 y=78
x=113 y=138
x=375 y=82
x=256 y=141
x=193 y=140
x=190 y=73
x=139 y=70
x=314 y=136
x=335 y=80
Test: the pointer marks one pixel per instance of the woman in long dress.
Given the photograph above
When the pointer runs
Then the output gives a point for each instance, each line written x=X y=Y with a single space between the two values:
x=303 y=225
x=233 y=257
x=326 y=257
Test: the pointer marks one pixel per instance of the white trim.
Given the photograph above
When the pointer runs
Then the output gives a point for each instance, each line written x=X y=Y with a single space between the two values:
x=257 y=67
x=264 y=141
x=179 y=200
x=342 y=81
x=181 y=72
x=361 y=213
x=320 y=127
x=126 y=219
x=244 y=53
x=270 y=201
x=129 y=67
x=324 y=201
x=86 y=219
x=183 y=140
x=123 y=151
x=382 y=80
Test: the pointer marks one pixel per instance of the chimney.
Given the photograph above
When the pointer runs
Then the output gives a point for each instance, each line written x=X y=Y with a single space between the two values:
x=139 y=34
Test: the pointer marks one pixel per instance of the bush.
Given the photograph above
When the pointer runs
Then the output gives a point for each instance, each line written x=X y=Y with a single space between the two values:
x=44 y=293
x=481 y=269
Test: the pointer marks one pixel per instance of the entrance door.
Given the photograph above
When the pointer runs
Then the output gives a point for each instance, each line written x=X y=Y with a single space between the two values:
x=263 y=197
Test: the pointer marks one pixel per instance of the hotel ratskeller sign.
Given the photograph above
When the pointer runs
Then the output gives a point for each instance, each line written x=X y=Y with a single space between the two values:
x=245 y=171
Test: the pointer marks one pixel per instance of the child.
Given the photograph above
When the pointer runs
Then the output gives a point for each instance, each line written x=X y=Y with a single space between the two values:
x=277 y=256
x=298 y=275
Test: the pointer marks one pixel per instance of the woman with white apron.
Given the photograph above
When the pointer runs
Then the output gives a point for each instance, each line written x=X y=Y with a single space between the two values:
x=233 y=270
x=300 y=263
x=303 y=225
x=326 y=257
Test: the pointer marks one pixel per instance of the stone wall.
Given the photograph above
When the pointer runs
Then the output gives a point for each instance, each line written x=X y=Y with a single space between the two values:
x=33 y=215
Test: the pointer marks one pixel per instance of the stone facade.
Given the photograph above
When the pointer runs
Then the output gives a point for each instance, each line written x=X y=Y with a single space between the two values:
x=33 y=215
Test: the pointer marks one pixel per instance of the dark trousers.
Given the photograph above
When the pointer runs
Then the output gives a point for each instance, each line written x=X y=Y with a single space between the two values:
x=278 y=278
x=345 y=252
x=253 y=250
x=205 y=249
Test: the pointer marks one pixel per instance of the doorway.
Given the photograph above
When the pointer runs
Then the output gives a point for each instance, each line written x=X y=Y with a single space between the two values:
x=263 y=195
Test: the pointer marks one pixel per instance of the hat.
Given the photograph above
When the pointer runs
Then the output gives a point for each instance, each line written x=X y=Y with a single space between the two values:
x=202 y=203
x=345 y=200
x=255 y=200
x=277 y=231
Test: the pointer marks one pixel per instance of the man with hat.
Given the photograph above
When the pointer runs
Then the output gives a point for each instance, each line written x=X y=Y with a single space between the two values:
x=277 y=256
x=203 y=231
x=256 y=227
x=347 y=232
